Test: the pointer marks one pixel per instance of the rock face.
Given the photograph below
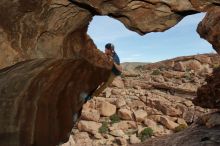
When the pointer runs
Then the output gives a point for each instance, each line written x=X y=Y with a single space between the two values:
x=196 y=135
x=38 y=106
x=42 y=29
x=161 y=15
x=206 y=131
x=209 y=94
x=204 y=5
x=58 y=30
x=209 y=28
x=45 y=29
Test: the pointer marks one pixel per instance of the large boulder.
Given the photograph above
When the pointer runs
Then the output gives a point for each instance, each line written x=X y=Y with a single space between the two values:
x=41 y=99
x=142 y=16
x=140 y=115
x=89 y=126
x=107 y=109
x=125 y=114
x=90 y=114
x=209 y=28
x=196 y=135
x=208 y=95
x=168 y=123
x=82 y=139
x=45 y=29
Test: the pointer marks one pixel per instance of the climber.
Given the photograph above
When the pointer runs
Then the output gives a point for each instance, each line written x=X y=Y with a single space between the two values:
x=116 y=70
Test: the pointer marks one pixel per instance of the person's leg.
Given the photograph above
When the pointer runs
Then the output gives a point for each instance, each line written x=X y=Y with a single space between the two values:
x=105 y=85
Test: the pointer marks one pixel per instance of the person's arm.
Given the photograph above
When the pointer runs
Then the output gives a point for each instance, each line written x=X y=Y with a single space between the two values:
x=118 y=67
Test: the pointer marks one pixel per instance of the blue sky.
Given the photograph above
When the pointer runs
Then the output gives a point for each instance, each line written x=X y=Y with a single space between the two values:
x=181 y=40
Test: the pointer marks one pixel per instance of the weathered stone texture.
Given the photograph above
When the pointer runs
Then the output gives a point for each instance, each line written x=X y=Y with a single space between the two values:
x=143 y=16
x=40 y=99
x=45 y=29
x=209 y=28
x=208 y=95
x=196 y=135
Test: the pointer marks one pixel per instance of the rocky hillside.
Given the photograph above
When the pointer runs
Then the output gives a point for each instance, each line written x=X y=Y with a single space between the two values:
x=153 y=101
x=32 y=30
x=130 y=66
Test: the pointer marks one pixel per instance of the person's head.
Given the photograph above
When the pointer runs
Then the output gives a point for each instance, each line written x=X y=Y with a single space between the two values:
x=109 y=49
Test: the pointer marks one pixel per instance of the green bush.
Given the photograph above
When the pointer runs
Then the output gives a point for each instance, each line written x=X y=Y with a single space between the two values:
x=104 y=128
x=216 y=65
x=188 y=69
x=187 y=76
x=156 y=72
x=115 y=118
x=145 y=134
x=181 y=127
x=163 y=68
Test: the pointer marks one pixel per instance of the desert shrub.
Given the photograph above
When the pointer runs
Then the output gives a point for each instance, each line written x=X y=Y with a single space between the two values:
x=145 y=134
x=187 y=76
x=156 y=72
x=163 y=68
x=115 y=118
x=188 y=69
x=215 y=66
x=181 y=127
x=104 y=128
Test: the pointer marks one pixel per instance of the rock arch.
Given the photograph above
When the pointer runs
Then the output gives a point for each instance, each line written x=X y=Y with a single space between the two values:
x=44 y=43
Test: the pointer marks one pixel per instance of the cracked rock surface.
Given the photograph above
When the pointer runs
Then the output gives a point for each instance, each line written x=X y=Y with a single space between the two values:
x=36 y=30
